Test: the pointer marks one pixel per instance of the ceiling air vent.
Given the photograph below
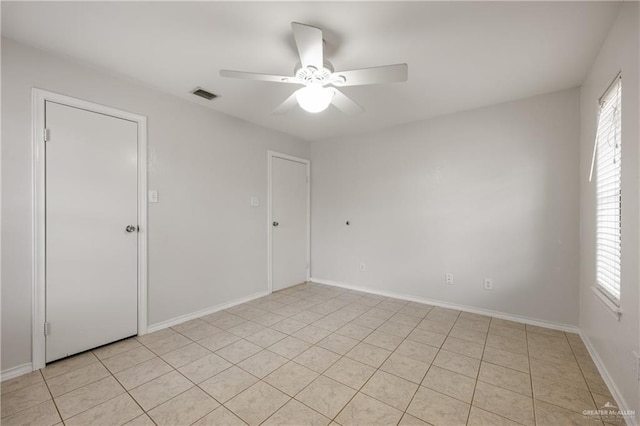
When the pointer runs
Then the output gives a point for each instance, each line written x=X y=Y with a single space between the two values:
x=204 y=94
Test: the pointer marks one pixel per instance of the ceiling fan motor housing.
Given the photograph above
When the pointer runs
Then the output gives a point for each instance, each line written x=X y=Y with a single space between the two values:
x=312 y=75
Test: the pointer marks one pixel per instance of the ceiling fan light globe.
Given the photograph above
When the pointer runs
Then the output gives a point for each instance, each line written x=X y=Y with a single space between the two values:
x=314 y=98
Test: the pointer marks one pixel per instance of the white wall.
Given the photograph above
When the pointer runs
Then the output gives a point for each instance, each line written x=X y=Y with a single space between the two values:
x=206 y=244
x=491 y=192
x=614 y=341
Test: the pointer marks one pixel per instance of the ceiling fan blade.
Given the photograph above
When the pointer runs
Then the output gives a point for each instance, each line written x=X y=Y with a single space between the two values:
x=259 y=77
x=309 y=43
x=285 y=106
x=375 y=75
x=345 y=104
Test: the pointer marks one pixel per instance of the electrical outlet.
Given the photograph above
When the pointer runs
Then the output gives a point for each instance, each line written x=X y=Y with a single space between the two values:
x=362 y=267
x=448 y=279
x=488 y=284
x=153 y=196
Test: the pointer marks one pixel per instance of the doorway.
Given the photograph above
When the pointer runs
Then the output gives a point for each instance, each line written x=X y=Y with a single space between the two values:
x=289 y=221
x=90 y=226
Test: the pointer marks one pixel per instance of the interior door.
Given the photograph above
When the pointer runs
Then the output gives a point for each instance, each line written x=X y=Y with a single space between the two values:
x=289 y=213
x=91 y=229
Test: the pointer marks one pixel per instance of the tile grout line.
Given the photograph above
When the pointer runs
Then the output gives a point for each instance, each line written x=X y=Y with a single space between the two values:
x=581 y=372
x=125 y=389
x=362 y=341
x=146 y=412
x=431 y=364
x=391 y=353
x=335 y=297
x=377 y=369
x=475 y=385
x=319 y=374
x=533 y=396
x=403 y=412
x=584 y=377
x=158 y=356
x=377 y=329
x=195 y=385
x=288 y=360
x=341 y=357
x=478 y=380
x=477 y=375
x=107 y=400
x=52 y=398
x=501 y=387
x=457 y=353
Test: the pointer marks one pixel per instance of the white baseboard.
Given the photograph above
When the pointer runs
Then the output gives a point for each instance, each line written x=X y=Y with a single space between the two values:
x=511 y=317
x=19 y=370
x=184 y=318
x=615 y=392
x=16 y=371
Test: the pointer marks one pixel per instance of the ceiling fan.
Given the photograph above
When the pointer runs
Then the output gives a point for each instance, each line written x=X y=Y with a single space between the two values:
x=318 y=77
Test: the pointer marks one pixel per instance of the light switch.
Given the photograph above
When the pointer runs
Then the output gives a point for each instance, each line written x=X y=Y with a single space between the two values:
x=255 y=201
x=153 y=196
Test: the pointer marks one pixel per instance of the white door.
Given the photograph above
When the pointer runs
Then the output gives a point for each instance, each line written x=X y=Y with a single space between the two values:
x=290 y=218
x=91 y=256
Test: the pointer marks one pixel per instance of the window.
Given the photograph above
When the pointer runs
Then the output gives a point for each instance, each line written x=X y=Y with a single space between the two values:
x=607 y=157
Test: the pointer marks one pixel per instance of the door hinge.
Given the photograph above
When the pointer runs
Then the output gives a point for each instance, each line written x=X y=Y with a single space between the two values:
x=47 y=326
x=46 y=135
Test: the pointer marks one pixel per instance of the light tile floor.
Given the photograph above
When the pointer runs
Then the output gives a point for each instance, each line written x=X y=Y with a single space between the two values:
x=318 y=355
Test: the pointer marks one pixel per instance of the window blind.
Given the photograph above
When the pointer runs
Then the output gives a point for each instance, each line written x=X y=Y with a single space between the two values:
x=608 y=192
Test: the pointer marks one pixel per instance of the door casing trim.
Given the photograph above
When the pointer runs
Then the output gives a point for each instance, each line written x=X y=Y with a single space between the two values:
x=38 y=99
x=270 y=156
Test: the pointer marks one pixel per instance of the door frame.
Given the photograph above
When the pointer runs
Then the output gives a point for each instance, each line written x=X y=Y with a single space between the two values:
x=270 y=156
x=38 y=99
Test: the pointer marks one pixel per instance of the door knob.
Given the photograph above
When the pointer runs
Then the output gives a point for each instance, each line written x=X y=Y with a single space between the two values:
x=275 y=224
x=131 y=228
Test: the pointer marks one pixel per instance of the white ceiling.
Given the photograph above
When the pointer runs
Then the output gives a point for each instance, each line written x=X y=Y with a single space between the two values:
x=461 y=55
